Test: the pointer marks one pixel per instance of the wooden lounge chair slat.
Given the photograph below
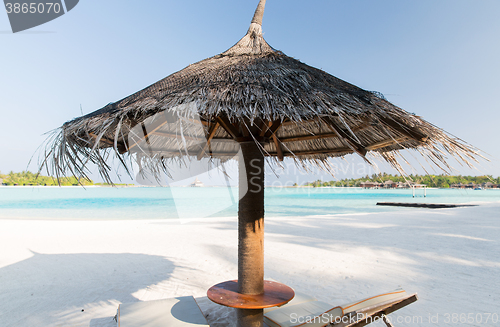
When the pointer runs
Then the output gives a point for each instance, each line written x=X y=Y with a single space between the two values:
x=380 y=311
x=355 y=314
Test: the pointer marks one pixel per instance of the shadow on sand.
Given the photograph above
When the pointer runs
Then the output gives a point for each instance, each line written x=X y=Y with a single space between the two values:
x=47 y=289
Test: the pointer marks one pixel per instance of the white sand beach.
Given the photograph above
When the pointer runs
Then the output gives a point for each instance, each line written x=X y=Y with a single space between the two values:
x=76 y=273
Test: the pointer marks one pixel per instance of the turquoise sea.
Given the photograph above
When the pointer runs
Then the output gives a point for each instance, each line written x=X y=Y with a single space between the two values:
x=189 y=202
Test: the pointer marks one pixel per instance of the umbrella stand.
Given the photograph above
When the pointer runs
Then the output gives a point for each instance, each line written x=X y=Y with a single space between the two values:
x=250 y=294
x=251 y=230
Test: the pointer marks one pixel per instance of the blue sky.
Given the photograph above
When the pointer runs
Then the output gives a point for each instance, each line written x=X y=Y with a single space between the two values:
x=435 y=58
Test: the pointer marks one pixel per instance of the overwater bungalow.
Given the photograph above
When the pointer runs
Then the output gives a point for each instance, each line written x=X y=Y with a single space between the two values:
x=371 y=185
x=489 y=185
x=390 y=184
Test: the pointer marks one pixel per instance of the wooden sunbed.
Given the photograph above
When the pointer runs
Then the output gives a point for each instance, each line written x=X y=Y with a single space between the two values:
x=308 y=312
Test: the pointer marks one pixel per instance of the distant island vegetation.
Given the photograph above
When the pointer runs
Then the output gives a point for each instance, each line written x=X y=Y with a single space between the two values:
x=27 y=178
x=440 y=181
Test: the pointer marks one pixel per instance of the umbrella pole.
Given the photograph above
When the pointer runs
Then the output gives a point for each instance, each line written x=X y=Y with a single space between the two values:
x=251 y=230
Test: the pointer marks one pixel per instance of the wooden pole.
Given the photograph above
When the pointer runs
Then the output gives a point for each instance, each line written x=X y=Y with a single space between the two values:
x=251 y=230
x=259 y=13
x=251 y=220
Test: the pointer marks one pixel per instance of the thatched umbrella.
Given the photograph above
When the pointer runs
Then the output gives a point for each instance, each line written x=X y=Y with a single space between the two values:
x=254 y=98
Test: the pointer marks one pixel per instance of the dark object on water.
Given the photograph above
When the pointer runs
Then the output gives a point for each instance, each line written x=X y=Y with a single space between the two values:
x=424 y=205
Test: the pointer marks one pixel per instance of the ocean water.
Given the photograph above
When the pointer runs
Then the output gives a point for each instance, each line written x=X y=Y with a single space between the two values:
x=189 y=202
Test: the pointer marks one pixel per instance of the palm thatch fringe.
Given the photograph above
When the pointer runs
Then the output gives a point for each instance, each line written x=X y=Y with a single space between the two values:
x=249 y=92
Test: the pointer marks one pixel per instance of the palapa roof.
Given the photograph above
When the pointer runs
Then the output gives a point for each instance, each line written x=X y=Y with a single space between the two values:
x=251 y=92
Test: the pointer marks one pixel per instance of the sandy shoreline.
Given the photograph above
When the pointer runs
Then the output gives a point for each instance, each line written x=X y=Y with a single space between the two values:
x=52 y=270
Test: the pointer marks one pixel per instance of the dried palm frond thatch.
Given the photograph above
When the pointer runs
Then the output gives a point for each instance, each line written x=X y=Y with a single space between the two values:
x=249 y=92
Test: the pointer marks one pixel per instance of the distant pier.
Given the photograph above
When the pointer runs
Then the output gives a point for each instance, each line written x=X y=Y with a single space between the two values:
x=424 y=205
